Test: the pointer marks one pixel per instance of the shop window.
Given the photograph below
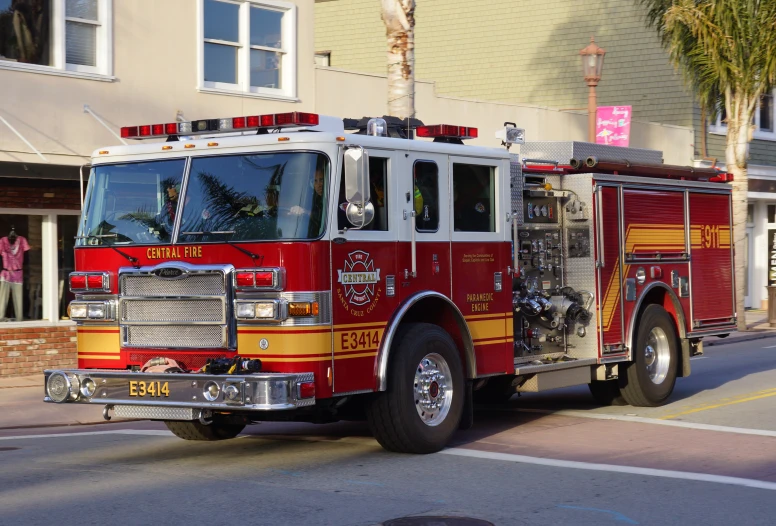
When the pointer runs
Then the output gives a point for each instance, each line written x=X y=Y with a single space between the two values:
x=772 y=213
x=378 y=177
x=21 y=277
x=473 y=198
x=426 y=196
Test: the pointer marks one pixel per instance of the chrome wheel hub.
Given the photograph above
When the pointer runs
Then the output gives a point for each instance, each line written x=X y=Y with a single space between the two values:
x=657 y=355
x=433 y=389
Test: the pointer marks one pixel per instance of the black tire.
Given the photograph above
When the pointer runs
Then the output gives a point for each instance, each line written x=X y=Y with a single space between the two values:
x=649 y=379
x=606 y=393
x=195 y=430
x=392 y=415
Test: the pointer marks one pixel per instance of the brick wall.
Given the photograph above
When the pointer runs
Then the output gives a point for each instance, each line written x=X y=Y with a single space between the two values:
x=27 y=193
x=30 y=350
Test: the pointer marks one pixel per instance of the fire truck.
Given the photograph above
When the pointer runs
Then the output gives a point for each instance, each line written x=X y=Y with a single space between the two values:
x=299 y=267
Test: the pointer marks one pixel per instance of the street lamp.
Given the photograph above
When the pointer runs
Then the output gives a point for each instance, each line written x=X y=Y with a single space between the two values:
x=592 y=65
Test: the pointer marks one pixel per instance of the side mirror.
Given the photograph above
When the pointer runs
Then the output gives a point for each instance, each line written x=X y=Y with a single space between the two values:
x=357 y=190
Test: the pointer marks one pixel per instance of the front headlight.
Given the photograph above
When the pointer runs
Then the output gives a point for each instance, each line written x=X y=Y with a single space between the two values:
x=246 y=310
x=78 y=311
x=265 y=310
x=96 y=311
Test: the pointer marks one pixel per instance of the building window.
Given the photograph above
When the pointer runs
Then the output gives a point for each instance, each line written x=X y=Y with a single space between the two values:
x=56 y=36
x=21 y=277
x=248 y=47
x=763 y=119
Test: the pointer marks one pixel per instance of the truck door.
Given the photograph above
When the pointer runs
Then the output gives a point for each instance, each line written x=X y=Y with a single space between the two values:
x=423 y=188
x=480 y=254
x=364 y=273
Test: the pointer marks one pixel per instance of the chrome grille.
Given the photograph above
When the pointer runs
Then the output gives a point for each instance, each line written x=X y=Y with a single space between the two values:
x=209 y=284
x=180 y=336
x=188 y=310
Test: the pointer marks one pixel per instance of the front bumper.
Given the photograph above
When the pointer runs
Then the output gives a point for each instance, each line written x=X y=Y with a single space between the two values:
x=254 y=392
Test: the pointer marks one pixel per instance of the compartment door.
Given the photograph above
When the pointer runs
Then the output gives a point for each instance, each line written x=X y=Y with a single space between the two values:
x=609 y=263
x=712 y=289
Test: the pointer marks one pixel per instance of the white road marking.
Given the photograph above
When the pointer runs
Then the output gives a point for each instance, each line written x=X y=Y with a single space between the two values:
x=699 y=358
x=650 y=472
x=770 y=347
x=643 y=420
x=142 y=432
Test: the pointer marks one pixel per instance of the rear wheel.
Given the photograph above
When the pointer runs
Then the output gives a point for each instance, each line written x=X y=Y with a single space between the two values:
x=650 y=378
x=195 y=430
x=423 y=404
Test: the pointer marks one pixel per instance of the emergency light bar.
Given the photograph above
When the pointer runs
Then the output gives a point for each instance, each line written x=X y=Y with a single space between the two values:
x=447 y=131
x=232 y=124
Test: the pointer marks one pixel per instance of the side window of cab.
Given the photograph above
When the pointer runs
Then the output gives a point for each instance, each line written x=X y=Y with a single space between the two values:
x=378 y=179
x=473 y=198
x=426 y=198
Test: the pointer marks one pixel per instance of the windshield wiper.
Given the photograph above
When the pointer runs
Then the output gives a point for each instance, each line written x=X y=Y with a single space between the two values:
x=250 y=254
x=133 y=260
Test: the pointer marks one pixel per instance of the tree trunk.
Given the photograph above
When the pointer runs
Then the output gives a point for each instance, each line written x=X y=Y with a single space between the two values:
x=399 y=19
x=736 y=153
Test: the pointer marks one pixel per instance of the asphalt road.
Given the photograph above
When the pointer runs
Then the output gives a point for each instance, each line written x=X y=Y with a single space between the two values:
x=708 y=457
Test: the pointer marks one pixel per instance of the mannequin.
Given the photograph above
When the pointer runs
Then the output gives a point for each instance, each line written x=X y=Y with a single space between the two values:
x=12 y=249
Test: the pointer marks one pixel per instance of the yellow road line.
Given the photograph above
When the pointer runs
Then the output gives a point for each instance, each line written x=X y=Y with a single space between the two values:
x=730 y=401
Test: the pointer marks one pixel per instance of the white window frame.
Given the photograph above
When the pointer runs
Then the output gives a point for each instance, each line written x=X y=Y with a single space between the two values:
x=104 y=42
x=242 y=87
x=720 y=128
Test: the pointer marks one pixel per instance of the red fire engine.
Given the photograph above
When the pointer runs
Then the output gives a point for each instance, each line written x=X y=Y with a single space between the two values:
x=276 y=267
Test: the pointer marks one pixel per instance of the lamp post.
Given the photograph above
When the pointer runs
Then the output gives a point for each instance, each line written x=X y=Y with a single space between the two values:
x=592 y=65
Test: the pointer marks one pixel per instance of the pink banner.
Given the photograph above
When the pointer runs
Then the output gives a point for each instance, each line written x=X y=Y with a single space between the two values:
x=612 y=125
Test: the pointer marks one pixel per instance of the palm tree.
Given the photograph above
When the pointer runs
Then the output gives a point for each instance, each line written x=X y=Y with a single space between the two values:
x=399 y=19
x=727 y=52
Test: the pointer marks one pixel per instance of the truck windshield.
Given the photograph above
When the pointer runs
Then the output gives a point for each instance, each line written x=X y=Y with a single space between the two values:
x=132 y=203
x=255 y=197
x=229 y=198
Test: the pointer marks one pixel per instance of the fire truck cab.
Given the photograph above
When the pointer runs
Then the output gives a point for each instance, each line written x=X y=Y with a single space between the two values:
x=304 y=267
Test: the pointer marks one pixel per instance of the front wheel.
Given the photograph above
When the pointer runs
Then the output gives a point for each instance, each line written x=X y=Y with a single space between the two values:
x=650 y=378
x=423 y=405
x=195 y=430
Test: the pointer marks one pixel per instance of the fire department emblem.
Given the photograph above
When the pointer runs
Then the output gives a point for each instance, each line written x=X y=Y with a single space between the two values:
x=359 y=278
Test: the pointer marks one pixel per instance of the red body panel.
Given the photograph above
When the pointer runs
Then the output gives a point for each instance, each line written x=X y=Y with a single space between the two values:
x=609 y=283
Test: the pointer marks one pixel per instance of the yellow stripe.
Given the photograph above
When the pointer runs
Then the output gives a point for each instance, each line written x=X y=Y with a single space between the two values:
x=481 y=329
x=611 y=296
x=491 y=342
x=264 y=328
x=98 y=357
x=284 y=343
x=101 y=342
x=730 y=401
x=486 y=316
x=354 y=325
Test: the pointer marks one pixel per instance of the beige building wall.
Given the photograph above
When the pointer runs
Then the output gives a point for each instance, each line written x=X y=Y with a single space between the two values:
x=525 y=51
x=356 y=95
x=155 y=64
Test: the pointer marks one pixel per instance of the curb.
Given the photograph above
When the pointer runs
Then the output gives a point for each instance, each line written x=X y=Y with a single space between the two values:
x=740 y=339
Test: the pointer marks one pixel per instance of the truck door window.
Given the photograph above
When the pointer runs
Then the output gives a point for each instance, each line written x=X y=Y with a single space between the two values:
x=473 y=198
x=378 y=178
x=426 y=196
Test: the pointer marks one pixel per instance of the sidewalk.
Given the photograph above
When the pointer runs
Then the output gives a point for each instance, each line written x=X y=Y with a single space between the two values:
x=22 y=406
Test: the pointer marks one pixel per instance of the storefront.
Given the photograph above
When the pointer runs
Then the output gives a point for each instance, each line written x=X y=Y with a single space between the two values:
x=39 y=207
x=760 y=230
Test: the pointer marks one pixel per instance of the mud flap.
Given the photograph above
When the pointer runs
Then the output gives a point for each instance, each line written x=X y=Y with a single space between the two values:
x=467 y=417
x=684 y=370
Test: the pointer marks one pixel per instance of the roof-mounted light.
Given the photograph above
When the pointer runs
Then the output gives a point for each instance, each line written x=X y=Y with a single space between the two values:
x=446 y=131
x=231 y=124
